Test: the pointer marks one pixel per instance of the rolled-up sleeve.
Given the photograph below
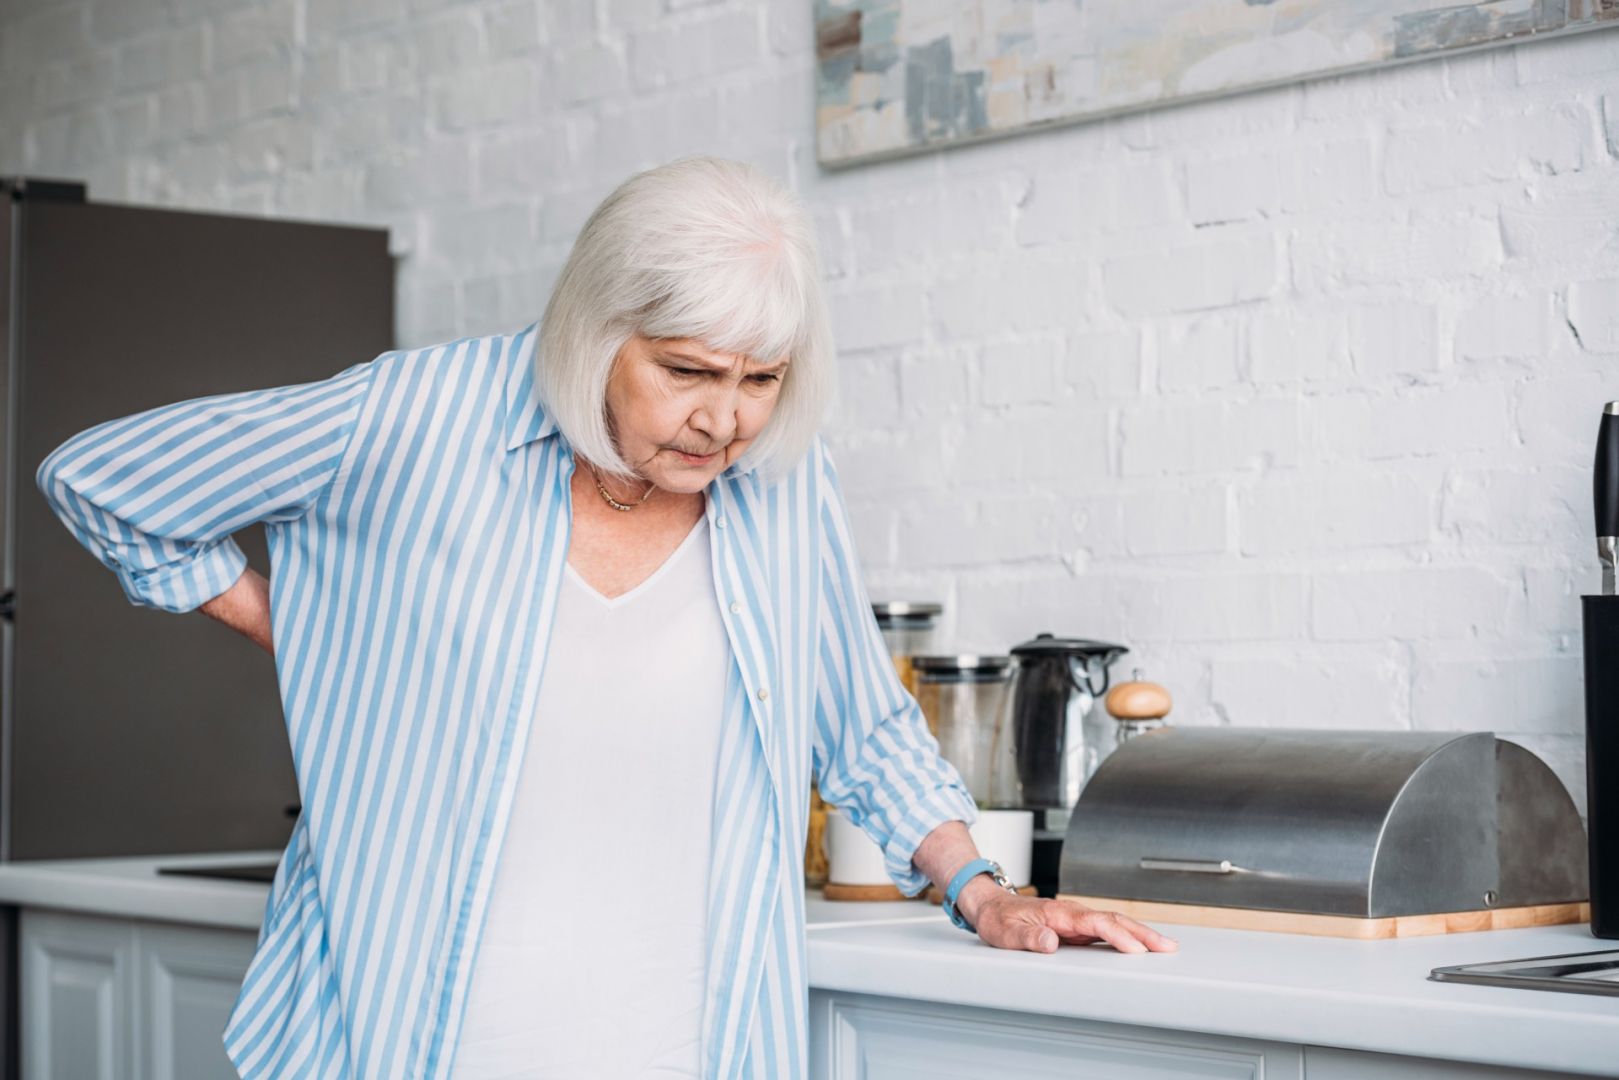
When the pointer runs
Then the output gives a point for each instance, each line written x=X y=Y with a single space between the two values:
x=874 y=757
x=155 y=496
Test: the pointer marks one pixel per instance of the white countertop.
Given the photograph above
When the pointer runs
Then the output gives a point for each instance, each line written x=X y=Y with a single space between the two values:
x=1298 y=988
x=132 y=888
x=1364 y=995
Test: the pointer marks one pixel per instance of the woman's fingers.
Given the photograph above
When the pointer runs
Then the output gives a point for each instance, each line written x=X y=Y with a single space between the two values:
x=1120 y=931
x=1155 y=940
x=1106 y=925
x=1041 y=925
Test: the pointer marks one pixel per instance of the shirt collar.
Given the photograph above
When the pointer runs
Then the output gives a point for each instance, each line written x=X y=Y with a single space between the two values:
x=526 y=420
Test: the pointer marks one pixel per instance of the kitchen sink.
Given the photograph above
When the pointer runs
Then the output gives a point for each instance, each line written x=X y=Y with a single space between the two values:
x=264 y=871
x=1572 y=973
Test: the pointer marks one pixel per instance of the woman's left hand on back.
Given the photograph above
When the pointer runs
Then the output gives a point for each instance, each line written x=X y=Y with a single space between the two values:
x=1036 y=924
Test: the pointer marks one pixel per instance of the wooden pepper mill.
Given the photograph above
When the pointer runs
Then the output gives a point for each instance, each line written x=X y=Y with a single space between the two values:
x=1138 y=706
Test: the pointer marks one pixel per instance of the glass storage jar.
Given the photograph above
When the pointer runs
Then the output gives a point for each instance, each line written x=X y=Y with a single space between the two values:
x=908 y=629
x=963 y=697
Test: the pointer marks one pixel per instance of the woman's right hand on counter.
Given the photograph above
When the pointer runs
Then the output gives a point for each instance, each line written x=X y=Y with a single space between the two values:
x=1035 y=924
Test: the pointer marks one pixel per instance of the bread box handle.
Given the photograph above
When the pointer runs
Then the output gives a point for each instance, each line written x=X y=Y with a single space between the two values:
x=1198 y=866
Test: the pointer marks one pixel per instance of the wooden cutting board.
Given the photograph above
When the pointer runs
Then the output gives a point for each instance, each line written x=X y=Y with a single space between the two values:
x=1292 y=922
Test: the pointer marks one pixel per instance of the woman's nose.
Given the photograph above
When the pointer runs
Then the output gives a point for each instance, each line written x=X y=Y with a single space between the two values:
x=716 y=416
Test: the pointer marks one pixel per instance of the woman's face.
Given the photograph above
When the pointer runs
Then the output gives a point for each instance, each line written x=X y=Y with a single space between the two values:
x=681 y=413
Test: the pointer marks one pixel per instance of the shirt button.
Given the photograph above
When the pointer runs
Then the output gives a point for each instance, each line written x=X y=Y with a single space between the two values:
x=736 y=608
x=720 y=521
x=764 y=694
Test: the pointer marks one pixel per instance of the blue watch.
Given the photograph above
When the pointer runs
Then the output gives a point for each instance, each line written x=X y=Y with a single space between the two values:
x=966 y=874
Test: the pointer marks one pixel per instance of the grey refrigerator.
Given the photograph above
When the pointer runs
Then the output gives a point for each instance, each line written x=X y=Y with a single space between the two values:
x=126 y=730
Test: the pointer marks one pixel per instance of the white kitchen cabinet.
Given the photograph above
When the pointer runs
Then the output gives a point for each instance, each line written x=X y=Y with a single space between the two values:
x=190 y=976
x=869 y=1037
x=138 y=980
x=1330 y=1063
x=862 y=1037
x=77 y=996
x=126 y=999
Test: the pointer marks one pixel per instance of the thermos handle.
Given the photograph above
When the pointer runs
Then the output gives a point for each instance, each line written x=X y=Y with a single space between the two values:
x=1605 y=493
x=1088 y=687
x=1606 y=480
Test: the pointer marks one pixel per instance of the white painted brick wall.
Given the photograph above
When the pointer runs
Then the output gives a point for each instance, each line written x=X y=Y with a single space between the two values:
x=1294 y=392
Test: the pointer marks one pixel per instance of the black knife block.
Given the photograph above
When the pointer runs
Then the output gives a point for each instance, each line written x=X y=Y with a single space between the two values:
x=1601 y=622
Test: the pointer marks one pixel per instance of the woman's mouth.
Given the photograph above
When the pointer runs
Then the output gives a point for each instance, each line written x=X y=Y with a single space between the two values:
x=694 y=459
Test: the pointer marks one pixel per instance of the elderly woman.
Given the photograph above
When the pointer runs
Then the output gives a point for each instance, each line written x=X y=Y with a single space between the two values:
x=563 y=620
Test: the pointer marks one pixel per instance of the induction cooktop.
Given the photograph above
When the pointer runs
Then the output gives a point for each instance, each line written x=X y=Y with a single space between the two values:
x=237 y=871
x=1573 y=973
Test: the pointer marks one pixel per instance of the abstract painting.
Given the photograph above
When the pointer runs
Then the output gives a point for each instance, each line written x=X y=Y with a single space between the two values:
x=899 y=76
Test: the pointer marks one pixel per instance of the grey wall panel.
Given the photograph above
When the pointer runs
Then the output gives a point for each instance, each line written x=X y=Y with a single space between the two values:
x=137 y=731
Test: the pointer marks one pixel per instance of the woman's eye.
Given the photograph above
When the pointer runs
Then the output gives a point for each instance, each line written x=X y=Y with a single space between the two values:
x=765 y=378
x=685 y=371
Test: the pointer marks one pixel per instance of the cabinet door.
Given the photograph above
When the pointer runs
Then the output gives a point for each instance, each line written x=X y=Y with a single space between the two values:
x=190 y=977
x=77 y=979
x=1329 y=1063
x=862 y=1037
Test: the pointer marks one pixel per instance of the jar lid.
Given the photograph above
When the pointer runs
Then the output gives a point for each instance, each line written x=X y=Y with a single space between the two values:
x=905 y=612
x=966 y=665
x=905 y=608
x=1047 y=645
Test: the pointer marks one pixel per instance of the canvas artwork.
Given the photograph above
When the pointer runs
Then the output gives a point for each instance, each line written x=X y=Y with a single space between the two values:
x=898 y=76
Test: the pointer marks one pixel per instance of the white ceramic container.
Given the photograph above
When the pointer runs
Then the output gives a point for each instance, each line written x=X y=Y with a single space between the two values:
x=1007 y=836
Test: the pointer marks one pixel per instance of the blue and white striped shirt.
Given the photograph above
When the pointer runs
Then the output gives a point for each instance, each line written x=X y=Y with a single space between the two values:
x=417 y=509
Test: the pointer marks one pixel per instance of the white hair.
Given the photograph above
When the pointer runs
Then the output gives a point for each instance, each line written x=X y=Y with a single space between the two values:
x=704 y=248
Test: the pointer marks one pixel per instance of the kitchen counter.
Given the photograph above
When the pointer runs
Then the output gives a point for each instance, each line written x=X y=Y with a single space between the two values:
x=1360 y=995
x=132 y=888
x=1293 y=988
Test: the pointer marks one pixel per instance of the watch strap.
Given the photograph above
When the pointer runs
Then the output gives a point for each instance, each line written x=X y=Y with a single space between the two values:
x=959 y=881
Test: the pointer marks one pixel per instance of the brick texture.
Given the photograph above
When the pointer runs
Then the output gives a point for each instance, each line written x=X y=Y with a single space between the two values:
x=1294 y=392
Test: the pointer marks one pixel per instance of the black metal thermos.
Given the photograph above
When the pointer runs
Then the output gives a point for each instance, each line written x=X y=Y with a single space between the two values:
x=1601 y=629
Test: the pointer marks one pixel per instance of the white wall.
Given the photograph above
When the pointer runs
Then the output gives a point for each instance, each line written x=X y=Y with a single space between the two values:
x=1294 y=392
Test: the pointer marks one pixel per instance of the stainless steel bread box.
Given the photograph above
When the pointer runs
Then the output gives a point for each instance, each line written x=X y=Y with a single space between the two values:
x=1367 y=824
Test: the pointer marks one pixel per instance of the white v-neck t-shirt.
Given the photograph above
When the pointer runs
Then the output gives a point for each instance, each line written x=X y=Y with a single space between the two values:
x=592 y=961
